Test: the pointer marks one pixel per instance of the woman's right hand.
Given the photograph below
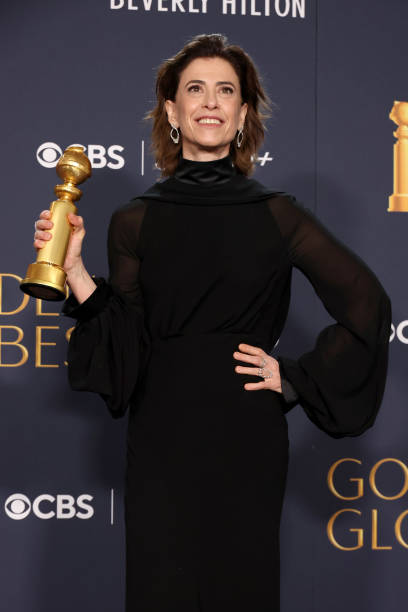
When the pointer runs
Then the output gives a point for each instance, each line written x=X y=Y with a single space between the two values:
x=43 y=233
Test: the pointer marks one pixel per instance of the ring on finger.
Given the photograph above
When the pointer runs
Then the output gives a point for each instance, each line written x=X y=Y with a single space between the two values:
x=265 y=373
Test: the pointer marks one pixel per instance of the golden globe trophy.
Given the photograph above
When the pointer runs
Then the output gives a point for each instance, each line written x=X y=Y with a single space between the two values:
x=46 y=277
x=398 y=201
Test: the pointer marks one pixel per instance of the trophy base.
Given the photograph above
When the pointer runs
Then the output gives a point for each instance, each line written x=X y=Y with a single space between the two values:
x=398 y=202
x=45 y=281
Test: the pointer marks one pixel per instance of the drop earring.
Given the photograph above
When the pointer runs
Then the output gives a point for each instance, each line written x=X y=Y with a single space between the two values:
x=175 y=137
x=240 y=137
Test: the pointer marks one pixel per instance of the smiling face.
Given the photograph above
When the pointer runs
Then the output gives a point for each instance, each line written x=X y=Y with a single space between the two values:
x=207 y=108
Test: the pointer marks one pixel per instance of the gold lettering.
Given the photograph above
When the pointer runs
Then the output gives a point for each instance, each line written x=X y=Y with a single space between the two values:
x=24 y=352
x=40 y=313
x=68 y=336
x=39 y=344
x=374 y=472
x=68 y=333
x=25 y=296
x=398 y=534
x=330 y=534
x=374 y=532
x=330 y=482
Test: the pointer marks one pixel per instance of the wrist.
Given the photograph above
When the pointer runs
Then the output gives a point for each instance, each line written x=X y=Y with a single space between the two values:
x=76 y=272
x=80 y=282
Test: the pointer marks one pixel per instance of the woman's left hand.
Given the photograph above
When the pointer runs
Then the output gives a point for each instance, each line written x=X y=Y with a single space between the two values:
x=258 y=358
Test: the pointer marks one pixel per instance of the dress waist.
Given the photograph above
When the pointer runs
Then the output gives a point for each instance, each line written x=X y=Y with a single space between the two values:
x=198 y=350
x=206 y=338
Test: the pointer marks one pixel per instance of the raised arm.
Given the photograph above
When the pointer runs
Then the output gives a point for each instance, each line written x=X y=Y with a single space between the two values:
x=104 y=351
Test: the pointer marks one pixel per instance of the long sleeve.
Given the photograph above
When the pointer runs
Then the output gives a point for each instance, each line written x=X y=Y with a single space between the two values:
x=340 y=382
x=290 y=395
x=106 y=344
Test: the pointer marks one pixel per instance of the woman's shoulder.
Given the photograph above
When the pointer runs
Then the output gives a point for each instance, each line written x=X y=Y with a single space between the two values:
x=130 y=208
x=130 y=211
x=126 y=219
x=285 y=204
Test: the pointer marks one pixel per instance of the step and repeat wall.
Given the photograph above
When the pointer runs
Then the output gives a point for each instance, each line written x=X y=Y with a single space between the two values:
x=82 y=72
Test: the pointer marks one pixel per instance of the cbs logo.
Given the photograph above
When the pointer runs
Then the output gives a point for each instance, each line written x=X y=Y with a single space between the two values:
x=45 y=506
x=49 y=153
x=400 y=332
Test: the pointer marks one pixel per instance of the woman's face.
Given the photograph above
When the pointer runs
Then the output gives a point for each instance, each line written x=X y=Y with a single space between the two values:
x=207 y=109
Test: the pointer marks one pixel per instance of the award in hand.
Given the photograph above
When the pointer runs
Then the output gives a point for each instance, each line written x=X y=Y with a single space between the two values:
x=46 y=277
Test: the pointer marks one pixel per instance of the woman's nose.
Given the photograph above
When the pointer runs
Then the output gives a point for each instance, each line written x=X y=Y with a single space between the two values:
x=210 y=99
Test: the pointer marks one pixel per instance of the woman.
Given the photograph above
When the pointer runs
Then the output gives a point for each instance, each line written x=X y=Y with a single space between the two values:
x=181 y=333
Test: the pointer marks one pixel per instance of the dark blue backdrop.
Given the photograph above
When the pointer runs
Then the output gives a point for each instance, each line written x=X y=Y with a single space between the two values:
x=83 y=72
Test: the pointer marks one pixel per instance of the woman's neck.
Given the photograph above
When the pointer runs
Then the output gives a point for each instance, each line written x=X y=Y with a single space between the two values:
x=214 y=171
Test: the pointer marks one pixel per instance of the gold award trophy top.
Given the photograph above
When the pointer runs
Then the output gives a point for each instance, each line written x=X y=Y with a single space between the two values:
x=398 y=201
x=46 y=277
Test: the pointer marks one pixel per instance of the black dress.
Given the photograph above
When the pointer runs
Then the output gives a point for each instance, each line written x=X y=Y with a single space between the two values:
x=198 y=264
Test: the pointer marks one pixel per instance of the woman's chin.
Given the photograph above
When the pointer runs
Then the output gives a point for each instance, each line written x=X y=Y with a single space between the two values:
x=211 y=144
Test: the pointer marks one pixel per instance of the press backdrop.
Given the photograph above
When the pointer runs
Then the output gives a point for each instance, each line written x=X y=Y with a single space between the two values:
x=83 y=72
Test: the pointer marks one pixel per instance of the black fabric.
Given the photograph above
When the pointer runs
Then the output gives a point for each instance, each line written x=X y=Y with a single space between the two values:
x=215 y=172
x=109 y=341
x=341 y=380
x=197 y=267
x=91 y=306
x=219 y=183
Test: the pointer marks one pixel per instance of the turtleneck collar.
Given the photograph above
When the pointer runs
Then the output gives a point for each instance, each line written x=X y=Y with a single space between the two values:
x=208 y=183
x=216 y=171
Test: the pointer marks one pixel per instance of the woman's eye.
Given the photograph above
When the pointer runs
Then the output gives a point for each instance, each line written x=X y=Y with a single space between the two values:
x=225 y=90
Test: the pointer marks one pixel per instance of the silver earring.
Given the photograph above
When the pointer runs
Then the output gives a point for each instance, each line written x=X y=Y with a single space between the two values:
x=240 y=137
x=175 y=138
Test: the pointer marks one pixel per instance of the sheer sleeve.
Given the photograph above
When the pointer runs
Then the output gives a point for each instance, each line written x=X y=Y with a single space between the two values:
x=340 y=382
x=107 y=342
x=289 y=393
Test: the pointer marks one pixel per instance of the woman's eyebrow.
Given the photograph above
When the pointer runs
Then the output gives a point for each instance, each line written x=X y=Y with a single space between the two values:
x=203 y=82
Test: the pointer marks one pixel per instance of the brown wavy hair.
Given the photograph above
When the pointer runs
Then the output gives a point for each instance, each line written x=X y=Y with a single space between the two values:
x=165 y=152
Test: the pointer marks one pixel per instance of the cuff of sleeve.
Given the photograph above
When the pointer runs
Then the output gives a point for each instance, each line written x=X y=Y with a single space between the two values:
x=92 y=306
x=288 y=391
x=290 y=395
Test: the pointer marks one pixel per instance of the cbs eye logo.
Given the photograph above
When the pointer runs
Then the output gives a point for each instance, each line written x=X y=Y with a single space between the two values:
x=49 y=153
x=17 y=506
x=62 y=506
x=400 y=332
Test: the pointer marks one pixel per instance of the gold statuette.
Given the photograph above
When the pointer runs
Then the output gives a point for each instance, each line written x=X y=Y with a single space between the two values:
x=46 y=277
x=398 y=201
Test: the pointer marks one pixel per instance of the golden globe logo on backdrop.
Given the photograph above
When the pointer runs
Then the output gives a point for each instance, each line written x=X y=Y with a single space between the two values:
x=398 y=200
x=14 y=350
x=351 y=519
